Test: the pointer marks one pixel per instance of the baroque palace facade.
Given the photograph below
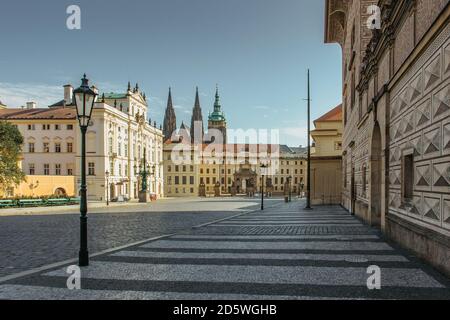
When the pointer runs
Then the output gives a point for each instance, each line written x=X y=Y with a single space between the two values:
x=396 y=115
x=199 y=163
x=118 y=136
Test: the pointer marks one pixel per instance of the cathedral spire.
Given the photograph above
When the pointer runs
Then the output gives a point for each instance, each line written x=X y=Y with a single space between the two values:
x=197 y=129
x=170 y=119
x=217 y=101
x=216 y=119
x=197 y=99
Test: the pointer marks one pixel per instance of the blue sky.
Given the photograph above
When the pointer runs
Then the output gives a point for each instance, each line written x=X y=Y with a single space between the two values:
x=258 y=52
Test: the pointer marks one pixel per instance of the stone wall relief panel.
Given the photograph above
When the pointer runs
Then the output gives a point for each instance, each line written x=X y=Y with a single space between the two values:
x=432 y=72
x=441 y=103
x=447 y=59
x=415 y=88
x=394 y=200
x=423 y=176
x=393 y=108
x=432 y=142
x=432 y=208
x=397 y=129
x=403 y=101
x=408 y=123
x=395 y=178
x=446 y=138
x=395 y=155
x=423 y=114
x=416 y=209
x=441 y=175
x=416 y=142
x=446 y=211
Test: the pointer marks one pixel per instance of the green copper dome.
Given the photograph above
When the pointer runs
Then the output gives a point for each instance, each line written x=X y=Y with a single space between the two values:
x=217 y=115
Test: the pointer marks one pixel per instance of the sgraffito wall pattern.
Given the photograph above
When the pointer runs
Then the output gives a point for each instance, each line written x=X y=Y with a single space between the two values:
x=420 y=120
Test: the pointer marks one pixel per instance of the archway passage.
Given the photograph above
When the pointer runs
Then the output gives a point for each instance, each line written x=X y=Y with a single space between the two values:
x=375 y=177
x=61 y=192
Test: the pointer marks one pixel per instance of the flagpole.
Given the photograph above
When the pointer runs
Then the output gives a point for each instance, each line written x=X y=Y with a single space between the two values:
x=308 y=178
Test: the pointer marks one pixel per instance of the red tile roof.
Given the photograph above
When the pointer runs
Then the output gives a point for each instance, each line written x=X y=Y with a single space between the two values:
x=39 y=114
x=332 y=115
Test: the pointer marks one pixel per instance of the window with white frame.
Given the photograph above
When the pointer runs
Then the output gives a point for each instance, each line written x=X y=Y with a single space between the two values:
x=46 y=169
x=31 y=169
x=91 y=169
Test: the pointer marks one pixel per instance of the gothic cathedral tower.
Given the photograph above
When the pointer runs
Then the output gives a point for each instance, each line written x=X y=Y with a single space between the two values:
x=216 y=119
x=197 y=130
x=170 y=119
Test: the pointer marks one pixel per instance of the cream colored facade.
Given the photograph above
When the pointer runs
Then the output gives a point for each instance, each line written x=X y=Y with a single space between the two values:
x=118 y=136
x=326 y=158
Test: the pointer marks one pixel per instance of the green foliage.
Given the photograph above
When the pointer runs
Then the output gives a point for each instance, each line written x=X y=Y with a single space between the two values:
x=10 y=149
x=45 y=197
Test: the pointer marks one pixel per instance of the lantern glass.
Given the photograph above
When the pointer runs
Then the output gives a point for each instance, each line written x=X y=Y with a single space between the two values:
x=85 y=98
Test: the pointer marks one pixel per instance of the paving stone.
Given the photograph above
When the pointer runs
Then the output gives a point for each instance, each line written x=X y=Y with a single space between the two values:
x=231 y=260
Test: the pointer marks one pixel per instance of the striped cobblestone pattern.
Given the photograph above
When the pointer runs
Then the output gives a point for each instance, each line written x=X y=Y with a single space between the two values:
x=284 y=252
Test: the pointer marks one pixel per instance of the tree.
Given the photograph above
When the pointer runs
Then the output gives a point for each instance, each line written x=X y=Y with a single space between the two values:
x=10 y=149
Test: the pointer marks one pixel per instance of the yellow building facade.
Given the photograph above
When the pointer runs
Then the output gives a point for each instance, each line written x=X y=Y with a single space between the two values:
x=198 y=163
x=232 y=169
x=39 y=186
x=326 y=158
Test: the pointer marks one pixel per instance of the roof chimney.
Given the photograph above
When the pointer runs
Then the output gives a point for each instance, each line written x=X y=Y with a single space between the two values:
x=68 y=94
x=31 y=105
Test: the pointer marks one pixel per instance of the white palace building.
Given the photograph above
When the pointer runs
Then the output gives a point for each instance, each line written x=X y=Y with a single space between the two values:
x=118 y=136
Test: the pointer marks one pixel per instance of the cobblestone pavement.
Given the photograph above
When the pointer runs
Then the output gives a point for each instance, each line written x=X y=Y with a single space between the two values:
x=281 y=253
x=32 y=241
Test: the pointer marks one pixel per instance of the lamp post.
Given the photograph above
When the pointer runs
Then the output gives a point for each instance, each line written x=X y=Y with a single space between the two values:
x=107 y=187
x=85 y=98
x=262 y=166
x=308 y=178
x=143 y=173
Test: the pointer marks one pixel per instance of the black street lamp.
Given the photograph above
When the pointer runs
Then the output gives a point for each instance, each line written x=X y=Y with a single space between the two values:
x=143 y=172
x=107 y=187
x=85 y=98
x=262 y=166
